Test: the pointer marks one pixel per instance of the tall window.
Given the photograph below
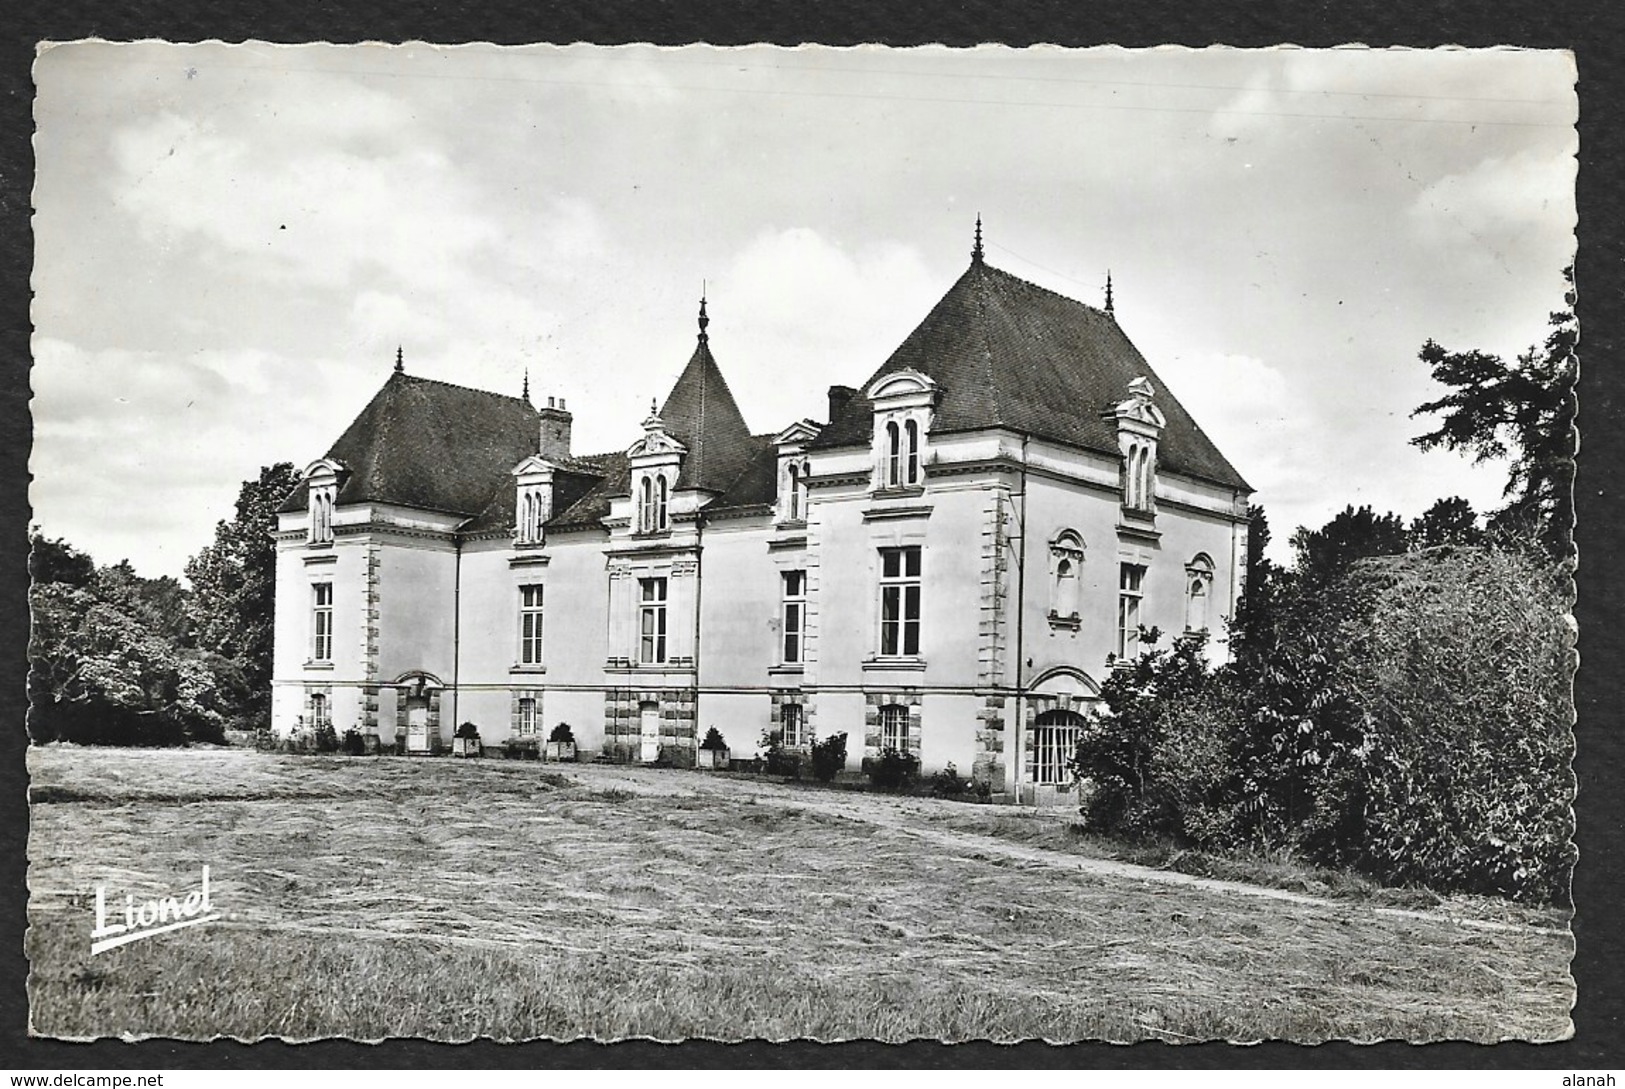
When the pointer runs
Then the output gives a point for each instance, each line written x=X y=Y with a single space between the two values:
x=1129 y=591
x=527 y=717
x=900 y=601
x=532 y=516
x=321 y=644
x=652 y=621
x=321 y=515
x=660 y=502
x=794 y=615
x=911 y=468
x=530 y=625
x=894 y=727
x=797 y=511
x=1055 y=741
x=319 y=714
x=894 y=455
x=792 y=725
x=646 y=505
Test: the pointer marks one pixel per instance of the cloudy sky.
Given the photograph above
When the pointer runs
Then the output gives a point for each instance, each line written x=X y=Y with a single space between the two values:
x=232 y=241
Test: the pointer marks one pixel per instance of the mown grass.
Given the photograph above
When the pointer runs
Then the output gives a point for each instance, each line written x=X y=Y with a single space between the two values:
x=454 y=899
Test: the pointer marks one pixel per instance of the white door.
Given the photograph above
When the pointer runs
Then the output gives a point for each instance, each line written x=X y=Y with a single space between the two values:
x=650 y=721
x=417 y=725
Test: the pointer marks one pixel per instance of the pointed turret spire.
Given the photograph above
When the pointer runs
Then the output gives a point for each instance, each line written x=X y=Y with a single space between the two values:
x=400 y=367
x=704 y=321
x=976 y=250
x=1109 y=292
x=525 y=392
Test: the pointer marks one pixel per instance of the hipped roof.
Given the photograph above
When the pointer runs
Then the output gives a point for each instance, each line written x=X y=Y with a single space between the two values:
x=1010 y=354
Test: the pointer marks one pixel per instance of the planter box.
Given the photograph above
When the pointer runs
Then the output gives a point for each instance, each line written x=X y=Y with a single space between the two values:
x=562 y=751
x=713 y=758
x=465 y=746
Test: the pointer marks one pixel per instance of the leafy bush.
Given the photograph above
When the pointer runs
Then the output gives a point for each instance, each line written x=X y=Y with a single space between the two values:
x=1463 y=779
x=562 y=735
x=1157 y=759
x=354 y=744
x=325 y=738
x=829 y=757
x=893 y=770
x=468 y=732
x=947 y=783
x=778 y=760
x=713 y=741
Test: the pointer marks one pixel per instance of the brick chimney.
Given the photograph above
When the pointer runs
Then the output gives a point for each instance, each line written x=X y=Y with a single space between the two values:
x=839 y=396
x=555 y=424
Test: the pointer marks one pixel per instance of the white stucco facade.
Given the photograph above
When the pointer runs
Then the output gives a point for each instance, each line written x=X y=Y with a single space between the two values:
x=958 y=594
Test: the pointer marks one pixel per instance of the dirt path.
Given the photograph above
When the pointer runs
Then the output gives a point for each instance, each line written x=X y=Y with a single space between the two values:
x=903 y=816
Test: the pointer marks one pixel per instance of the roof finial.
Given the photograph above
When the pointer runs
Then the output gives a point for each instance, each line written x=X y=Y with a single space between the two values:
x=976 y=250
x=654 y=409
x=704 y=321
x=1109 y=291
x=525 y=393
x=400 y=368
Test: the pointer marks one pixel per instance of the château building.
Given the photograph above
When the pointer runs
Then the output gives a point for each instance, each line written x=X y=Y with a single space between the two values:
x=947 y=564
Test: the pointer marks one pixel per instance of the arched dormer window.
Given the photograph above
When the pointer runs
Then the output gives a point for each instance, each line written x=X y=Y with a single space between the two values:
x=1198 y=592
x=533 y=500
x=646 y=505
x=904 y=402
x=660 y=503
x=1139 y=423
x=322 y=480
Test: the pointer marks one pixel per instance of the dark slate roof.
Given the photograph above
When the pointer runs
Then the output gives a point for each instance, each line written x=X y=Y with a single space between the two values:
x=572 y=479
x=586 y=500
x=758 y=483
x=432 y=446
x=701 y=414
x=1007 y=353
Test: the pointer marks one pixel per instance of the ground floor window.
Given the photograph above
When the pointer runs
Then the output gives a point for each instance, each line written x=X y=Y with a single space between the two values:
x=792 y=725
x=527 y=717
x=894 y=727
x=1055 y=741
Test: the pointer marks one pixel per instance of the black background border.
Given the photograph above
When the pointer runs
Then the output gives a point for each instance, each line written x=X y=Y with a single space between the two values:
x=1591 y=30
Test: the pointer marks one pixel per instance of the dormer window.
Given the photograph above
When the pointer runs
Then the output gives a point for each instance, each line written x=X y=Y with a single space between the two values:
x=656 y=461
x=1139 y=425
x=653 y=499
x=904 y=402
x=533 y=500
x=795 y=470
x=798 y=491
x=322 y=481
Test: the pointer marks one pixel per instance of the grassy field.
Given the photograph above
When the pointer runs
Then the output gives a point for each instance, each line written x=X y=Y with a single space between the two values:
x=455 y=899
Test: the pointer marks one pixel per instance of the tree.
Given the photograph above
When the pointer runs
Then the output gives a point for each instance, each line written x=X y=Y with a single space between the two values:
x=234 y=588
x=102 y=669
x=51 y=559
x=1522 y=410
x=1448 y=522
x=1325 y=553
